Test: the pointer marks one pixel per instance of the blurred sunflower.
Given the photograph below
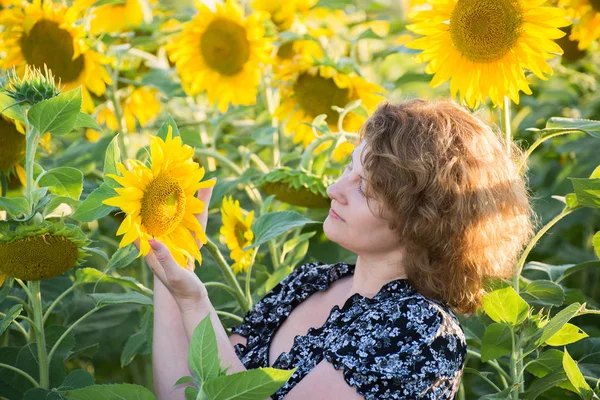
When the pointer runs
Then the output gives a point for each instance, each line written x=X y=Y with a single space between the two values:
x=112 y=18
x=587 y=28
x=160 y=201
x=483 y=46
x=43 y=32
x=283 y=13
x=313 y=89
x=237 y=232
x=221 y=53
x=142 y=105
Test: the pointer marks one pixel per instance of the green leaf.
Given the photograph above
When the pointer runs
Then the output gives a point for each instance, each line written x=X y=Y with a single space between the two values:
x=191 y=392
x=10 y=316
x=111 y=158
x=571 y=201
x=57 y=115
x=568 y=334
x=576 y=377
x=105 y=299
x=559 y=124
x=53 y=333
x=587 y=191
x=140 y=342
x=164 y=129
x=123 y=257
x=505 y=305
x=56 y=201
x=92 y=208
x=596 y=243
x=544 y=384
x=203 y=355
x=558 y=273
x=64 y=181
x=86 y=121
x=497 y=341
x=14 y=206
x=252 y=384
x=547 y=362
x=10 y=108
x=543 y=293
x=184 y=379
x=110 y=392
x=92 y=275
x=553 y=326
x=271 y=225
x=502 y=395
x=77 y=379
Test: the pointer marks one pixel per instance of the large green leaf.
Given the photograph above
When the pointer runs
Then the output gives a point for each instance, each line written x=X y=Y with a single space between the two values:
x=271 y=225
x=57 y=115
x=123 y=257
x=568 y=334
x=543 y=293
x=559 y=124
x=105 y=299
x=111 y=158
x=587 y=191
x=203 y=354
x=547 y=362
x=505 y=305
x=86 y=121
x=254 y=384
x=14 y=206
x=576 y=377
x=124 y=391
x=63 y=181
x=92 y=208
x=497 y=341
x=92 y=275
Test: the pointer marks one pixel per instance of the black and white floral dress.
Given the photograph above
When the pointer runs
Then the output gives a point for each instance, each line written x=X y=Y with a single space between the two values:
x=397 y=345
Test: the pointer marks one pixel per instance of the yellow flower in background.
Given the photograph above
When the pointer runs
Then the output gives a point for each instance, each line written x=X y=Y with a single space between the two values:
x=312 y=89
x=283 y=13
x=12 y=144
x=238 y=234
x=586 y=29
x=340 y=152
x=160 y=201
x=112 y=18
x=483 y=46
x=221 y=53
x=43 y=32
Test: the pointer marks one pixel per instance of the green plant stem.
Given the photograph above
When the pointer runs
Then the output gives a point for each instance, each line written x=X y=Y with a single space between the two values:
x=232 y=316
x=248 y=274
x=24 y=287
x=58 y=301
x=536 y=144
x=4 y=180
x=19 y=326
x=271 y=105
x=32 y=140
x=274 y=254
x=69 y=329
x=20 y=372
x=220 y=285
x=221 y=158
x=308 y=154
x=21 y=301
x=40 y=338
x=227 y=274
x=566 y=211
x=492 y=363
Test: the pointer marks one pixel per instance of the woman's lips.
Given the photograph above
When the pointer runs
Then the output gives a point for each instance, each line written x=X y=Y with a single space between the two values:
x=335 y=215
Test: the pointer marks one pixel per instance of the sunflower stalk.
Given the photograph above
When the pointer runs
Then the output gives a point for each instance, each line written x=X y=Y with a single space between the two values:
x=40 y=338
x=227 y=274
x=32 y=140
x=248 y=275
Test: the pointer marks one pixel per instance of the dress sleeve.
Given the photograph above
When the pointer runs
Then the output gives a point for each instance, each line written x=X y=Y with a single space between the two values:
x=413 y=350
x=259 y=322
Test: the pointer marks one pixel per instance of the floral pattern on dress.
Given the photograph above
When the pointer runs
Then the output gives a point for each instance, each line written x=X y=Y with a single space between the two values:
x=397 y=345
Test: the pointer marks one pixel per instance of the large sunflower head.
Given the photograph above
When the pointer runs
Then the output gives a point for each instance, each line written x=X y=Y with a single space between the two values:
x=45 y=32
x=483 y=46
x=313 y=89
x=221 y=53
x=12 y=144
x=296 y=187
x=586 y=13
x=237 y=232
x=159 y=200
x=38 y=252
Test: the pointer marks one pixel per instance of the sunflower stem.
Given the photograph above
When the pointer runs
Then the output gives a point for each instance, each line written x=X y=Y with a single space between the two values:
x=248 y=274
x=227 y=274
x=32 y=140
x=69 y=329
x=40 y=338
x=230 y=315
x=58 y=301
x=536 y=144
x=21 y=372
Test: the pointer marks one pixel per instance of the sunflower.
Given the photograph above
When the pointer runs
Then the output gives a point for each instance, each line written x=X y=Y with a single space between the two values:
x=38 y=252
x=43 y=32
x=160 y=202
x=238 y=234
x=587 y=14
x=313 y=89
x=283 y=13
x=112 y=18
x=221 y=53
x=483 y=46
x=12 y=144
x=296 y=187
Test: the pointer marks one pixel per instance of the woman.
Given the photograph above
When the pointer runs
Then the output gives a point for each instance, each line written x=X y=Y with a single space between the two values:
x=432 y=204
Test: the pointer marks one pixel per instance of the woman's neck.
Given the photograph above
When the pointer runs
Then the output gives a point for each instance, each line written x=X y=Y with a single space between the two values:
x=372 y=273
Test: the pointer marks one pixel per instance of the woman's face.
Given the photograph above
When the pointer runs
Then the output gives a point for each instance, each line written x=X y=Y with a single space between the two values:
x=357 y=228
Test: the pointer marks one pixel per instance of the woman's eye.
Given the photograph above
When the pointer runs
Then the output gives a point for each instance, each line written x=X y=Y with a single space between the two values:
x=360 y=189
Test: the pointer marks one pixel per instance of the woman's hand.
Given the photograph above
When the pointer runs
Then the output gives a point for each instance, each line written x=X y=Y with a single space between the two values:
x=184 y=284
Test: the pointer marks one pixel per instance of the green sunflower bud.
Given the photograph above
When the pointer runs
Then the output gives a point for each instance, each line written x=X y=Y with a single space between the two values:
x=297 y=187
x=34 y=87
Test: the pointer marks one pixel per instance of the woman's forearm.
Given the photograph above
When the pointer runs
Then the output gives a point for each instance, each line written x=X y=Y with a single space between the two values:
x=169 y=346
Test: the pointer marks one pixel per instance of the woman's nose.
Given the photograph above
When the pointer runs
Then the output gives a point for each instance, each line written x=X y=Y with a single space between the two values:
x=335 y=192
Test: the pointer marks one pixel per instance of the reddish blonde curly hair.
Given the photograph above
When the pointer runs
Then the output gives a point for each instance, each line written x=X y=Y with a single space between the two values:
x=452 y=193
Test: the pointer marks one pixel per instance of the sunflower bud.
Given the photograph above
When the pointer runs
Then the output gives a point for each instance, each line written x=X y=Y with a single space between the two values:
x=34 y=87
x=296 y=187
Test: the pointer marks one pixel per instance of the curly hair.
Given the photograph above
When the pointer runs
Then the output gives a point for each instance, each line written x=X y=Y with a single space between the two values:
x=452 y=193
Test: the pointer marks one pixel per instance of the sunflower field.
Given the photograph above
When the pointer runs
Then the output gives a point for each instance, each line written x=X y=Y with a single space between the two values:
x=114 y=113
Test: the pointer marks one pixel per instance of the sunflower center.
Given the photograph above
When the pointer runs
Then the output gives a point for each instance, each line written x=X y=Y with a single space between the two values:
x=485 y=30
x=316 y=95
x=225 y=47
x=286 y=51
x=12 y=145
x=48 y=44
x=595 y=5
x=163 y=205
